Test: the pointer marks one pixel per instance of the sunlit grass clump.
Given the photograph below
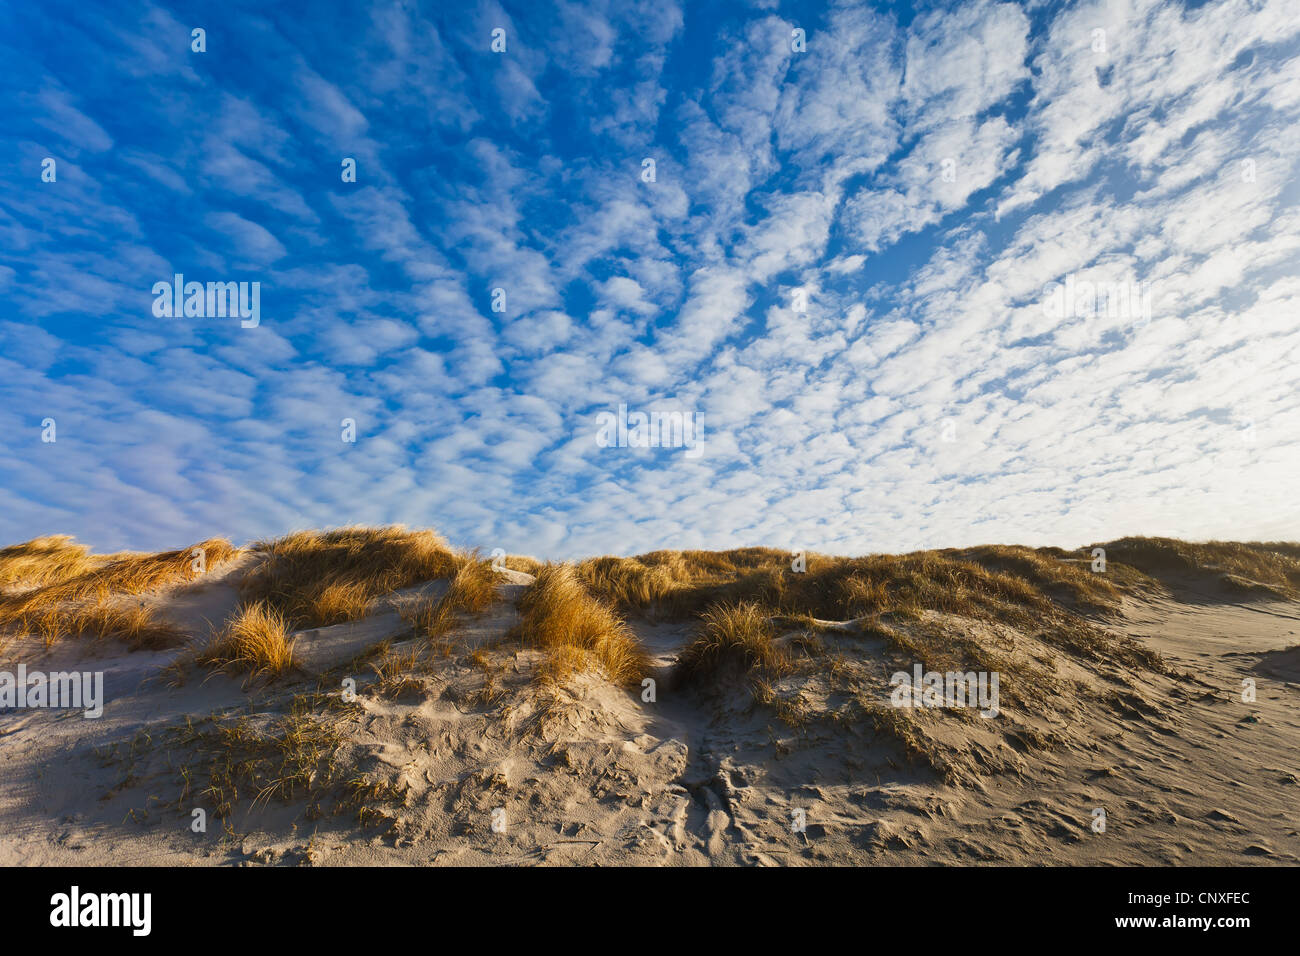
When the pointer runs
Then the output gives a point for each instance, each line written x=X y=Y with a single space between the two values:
x=256 y=641
x=578 y=632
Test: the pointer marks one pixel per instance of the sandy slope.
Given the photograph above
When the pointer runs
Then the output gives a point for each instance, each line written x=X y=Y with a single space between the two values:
x=1185 y=771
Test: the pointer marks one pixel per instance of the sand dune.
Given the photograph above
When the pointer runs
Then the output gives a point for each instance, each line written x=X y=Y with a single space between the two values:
x=751 y=730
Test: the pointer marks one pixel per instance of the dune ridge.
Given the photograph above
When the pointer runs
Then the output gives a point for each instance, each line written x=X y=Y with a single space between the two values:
x=399 y=700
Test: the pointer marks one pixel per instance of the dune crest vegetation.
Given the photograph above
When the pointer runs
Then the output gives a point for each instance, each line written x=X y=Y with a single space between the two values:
x=1252 y=565
x=316 y=578
x=52 y=587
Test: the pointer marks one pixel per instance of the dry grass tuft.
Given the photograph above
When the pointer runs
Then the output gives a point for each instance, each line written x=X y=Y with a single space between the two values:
x=255 y=640
x=629 y=583
x=341 y=601
x=732 y=636
x=315 y=578
x=578 y=631
x=138 y=625
x=474 y=587
x=471 y=591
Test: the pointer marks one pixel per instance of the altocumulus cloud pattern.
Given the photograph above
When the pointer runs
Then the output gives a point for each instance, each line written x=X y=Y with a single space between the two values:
x=919 y=276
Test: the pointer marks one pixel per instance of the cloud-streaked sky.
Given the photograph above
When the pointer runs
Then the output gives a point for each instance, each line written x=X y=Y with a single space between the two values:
x=928 y=178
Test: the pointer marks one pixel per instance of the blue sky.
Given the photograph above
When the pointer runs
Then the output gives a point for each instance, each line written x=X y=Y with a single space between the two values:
x=925 y=178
